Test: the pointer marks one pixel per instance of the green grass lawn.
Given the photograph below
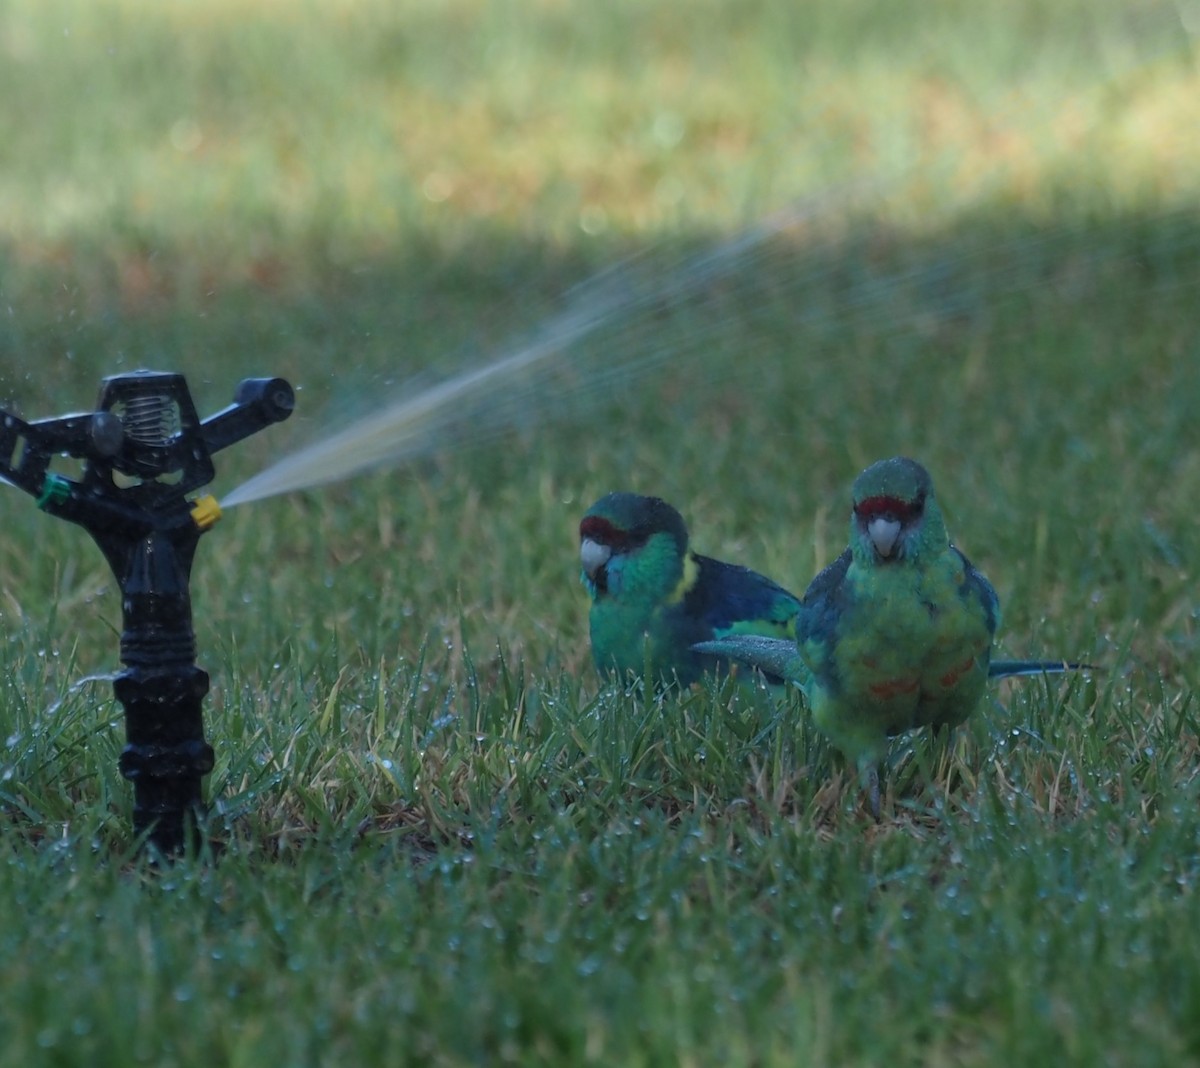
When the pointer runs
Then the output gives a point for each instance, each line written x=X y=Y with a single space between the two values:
x=442 y=840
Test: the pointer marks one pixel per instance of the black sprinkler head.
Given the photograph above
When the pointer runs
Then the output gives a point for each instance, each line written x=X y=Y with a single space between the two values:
x=144 y=450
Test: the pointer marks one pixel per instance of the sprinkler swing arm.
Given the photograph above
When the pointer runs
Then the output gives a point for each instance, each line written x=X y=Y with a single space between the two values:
x=144 y=449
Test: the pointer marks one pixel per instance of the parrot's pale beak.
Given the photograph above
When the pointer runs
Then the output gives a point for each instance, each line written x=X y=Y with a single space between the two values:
x=884 y=533
x=593 y=556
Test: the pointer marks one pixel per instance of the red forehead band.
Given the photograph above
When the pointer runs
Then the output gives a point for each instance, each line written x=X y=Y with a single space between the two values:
x=601 y=530
x=896 y=507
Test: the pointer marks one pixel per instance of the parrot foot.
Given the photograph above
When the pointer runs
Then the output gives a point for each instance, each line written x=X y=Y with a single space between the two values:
x=873 y=791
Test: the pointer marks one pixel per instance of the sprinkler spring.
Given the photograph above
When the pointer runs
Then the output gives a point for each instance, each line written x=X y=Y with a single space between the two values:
x=144 y=449
x=149 y=418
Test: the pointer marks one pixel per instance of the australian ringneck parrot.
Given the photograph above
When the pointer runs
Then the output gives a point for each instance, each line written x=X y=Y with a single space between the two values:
x=897 y=632
x=653 y=598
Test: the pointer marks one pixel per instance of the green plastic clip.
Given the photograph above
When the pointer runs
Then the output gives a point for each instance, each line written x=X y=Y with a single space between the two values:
x=55 y=490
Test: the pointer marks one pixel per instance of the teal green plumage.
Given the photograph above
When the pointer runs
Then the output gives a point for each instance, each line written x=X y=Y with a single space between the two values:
x=653 y=598
x=896 y=633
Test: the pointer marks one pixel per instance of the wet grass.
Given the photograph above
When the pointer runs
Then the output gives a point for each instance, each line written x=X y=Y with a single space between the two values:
x=441 y=840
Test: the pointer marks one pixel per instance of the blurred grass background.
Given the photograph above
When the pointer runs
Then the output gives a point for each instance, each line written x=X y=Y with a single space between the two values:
x=445 y=842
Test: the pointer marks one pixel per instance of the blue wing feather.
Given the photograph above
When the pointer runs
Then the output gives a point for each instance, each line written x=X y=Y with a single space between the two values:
x=727 y=598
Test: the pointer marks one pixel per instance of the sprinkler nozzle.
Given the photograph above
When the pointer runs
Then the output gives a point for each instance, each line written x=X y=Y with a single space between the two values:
x=205 y=511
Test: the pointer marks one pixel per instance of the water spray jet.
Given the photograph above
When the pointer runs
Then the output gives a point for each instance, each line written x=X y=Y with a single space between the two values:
x=144 y=450
x=667 y=309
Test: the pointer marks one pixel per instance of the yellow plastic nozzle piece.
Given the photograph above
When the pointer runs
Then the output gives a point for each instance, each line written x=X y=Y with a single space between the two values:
x=205 y=511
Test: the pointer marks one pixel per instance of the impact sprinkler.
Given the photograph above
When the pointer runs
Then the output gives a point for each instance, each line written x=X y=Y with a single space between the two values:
x=144 y=450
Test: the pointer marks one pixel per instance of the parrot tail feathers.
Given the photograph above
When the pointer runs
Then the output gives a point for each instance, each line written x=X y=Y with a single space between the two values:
x=1011 y=669
x=777 y=658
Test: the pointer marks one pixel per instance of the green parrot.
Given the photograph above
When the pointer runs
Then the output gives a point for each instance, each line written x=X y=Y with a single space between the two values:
x=897 y=632
x=653 y=598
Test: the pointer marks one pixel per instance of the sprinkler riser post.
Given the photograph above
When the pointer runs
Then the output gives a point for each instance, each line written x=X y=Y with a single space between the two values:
x=161 y=690
x=166 y=755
